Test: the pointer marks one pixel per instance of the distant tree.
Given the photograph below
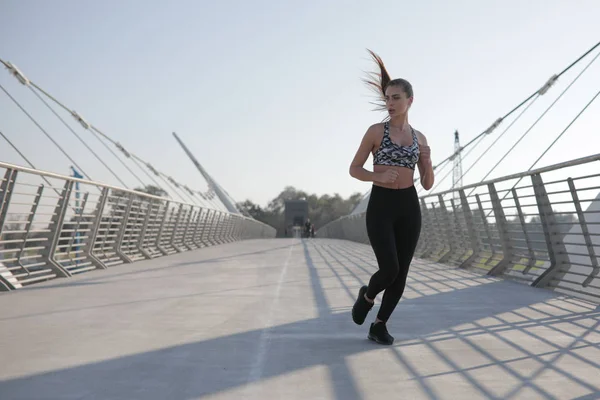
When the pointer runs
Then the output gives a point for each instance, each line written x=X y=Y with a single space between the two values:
x=249 y=209
x=321 y=209
x=152 y=190
x=118 y=198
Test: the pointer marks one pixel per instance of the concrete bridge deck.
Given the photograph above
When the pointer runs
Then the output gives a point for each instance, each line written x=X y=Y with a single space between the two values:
x=270 y=319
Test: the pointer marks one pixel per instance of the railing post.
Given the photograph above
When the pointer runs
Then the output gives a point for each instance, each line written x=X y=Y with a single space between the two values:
x=428 y=225
x=162 y=229
x=175 y=226
x=198 y=229
x=212 y=228
x=235 y=228
x=473 y=235
x=144 y=230
x=229 y=229
x=586 y=235
x=6 y=186
x=5 y=286
x=224 y=224
x=448 y=234
x=234 y=225
x=554 y=242
x=74 y=241
x=28 y=224
x=244 y=232
x=206 y=228
x=55 y=228
x=217 y=230
x=530 y=251
x=201 y=226
x=188 y=239
x=486 y=228
x=225 y=228
x=502 y=232
x=203 y=232
x=154 y=222
x=462 y=247
x=88 y=248
x=240 y=228
x=438 y=234
x=121 y=231
x=188 y=221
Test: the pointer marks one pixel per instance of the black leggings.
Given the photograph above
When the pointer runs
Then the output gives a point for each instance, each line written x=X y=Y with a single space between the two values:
x=393 y=225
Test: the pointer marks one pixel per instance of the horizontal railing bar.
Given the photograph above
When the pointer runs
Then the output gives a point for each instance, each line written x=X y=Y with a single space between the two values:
x=554 y=167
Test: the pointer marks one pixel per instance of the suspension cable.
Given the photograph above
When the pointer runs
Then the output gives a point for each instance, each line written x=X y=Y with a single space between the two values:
x=175 y=186
x=44 y=131
x=147 y=174
x=27 y=161
x=14 y=71
x=563 y=132
x=97 y=136
x=17 y=150
x=78 y=137
x=542 y=90
x=541 y=116
x=500 y=136
x=171 y=187
x=553 y=143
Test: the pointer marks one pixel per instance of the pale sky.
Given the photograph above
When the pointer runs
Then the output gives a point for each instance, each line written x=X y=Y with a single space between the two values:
x=268 y=94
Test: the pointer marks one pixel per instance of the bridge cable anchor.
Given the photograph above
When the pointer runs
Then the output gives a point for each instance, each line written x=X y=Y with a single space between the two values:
x=120 y=147
x=81 y=120
x=548 y=85
x=14 y=71
x=493 y=126
x=173 y=182
x=152 y=169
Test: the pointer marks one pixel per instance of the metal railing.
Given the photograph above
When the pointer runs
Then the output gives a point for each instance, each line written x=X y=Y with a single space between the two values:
x=540 y=227
x=55 y=226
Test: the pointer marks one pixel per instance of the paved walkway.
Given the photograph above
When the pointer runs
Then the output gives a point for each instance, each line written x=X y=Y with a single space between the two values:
x=270 y=319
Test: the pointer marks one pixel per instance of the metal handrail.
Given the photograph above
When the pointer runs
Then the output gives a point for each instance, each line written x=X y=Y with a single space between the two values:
x=72 y=231
x=544 y=234
x=48 y=174
x=554 y=167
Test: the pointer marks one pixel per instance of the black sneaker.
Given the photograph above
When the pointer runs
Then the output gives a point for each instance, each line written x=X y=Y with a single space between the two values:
x=378 y=333
x=361 y=307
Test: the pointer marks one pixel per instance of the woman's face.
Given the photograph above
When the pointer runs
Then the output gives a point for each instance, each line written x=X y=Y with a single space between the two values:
x=396 y=101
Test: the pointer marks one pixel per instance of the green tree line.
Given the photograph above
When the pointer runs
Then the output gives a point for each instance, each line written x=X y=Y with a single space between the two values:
x=321 y=209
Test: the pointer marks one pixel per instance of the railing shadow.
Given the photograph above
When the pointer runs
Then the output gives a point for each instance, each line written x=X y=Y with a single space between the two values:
x=145 y=266
x=493 y=339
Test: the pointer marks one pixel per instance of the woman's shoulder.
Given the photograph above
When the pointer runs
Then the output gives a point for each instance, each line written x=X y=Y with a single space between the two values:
x=376 y=129
x=421 y=137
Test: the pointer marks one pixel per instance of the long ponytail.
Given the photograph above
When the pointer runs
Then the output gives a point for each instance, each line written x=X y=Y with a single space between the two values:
x=378 y=82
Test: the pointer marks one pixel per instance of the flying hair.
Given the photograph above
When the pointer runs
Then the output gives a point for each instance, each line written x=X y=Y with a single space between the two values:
x=379 y=81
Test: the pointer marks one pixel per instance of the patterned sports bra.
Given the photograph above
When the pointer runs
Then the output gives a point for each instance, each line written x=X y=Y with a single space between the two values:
x=390 y=153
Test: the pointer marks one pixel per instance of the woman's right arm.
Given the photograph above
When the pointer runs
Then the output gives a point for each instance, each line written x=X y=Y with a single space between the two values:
x=362 y=154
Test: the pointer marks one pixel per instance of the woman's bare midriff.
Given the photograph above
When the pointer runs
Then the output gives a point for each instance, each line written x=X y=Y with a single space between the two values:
x=403 y=181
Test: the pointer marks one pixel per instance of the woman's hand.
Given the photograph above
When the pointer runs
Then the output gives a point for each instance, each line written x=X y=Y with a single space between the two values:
x=388 y=176
x=425 y=153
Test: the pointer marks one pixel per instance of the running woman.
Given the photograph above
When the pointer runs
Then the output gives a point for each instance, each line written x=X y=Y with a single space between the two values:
x=393 y=216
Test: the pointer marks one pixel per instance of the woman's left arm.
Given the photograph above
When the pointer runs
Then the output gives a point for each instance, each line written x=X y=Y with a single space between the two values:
x=425 y=165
